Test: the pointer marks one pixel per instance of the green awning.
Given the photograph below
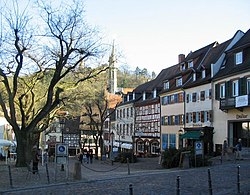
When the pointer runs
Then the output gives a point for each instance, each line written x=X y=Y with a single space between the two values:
x=191 y=135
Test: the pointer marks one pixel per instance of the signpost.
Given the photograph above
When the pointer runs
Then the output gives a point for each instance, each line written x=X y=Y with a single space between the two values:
x=61 y=155
x=198 y=149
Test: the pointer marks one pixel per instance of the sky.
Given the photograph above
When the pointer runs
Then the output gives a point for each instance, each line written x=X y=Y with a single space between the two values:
x=151 y=34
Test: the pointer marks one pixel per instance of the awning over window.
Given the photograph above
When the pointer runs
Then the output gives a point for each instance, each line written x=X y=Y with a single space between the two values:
x=127 y=146
x=191 y=135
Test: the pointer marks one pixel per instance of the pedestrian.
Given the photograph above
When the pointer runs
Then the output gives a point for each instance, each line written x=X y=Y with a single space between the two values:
x=238 y=148
x=45 y=157
x=35 y=162
x=91 y=157
x=87 y=156
x=225 y=149
x=80 y=157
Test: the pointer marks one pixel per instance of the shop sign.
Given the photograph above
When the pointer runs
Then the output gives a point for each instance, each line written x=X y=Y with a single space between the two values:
x=241 y=101
x=240 y=116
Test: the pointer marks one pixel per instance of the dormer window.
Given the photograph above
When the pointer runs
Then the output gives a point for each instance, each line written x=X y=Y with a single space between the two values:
x=144 y=96
x=154 y=93
x=194 y=76
x=182 y=67
x=238 y=58
x=166 y=85
x=178 y=81
x=127 y=97
x=203 y=73
x=133 y=95
x=190 y=64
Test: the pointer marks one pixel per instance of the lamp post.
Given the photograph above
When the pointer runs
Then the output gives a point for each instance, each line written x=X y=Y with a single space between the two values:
x=111 y=152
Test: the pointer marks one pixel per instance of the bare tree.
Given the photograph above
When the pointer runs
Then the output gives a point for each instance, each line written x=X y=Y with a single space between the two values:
x=36 y=57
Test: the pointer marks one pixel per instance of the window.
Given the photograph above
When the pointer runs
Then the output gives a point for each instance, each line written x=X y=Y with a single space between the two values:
x=202 y=95
x=154 y=93
x=181 y=118
x=131 y=112
x=194 y=76
x=194 y=97
x=144 y=96
x=179 y=82
x=140 y=146
x=238 y=58
x=235 y=89
x=164 y=100
x=166 y=85
x=190 y=64
x=164 y=141
x=181 y=97
x=154 y=147
x=187 y=98
x=203 y=74
x=222 y=90
x=248 y=86
x=172 y=140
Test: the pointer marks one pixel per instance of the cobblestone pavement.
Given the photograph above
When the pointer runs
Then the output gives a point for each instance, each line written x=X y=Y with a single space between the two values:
x=146 y=177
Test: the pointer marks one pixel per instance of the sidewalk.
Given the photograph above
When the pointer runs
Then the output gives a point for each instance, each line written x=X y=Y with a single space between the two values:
x=103 y=171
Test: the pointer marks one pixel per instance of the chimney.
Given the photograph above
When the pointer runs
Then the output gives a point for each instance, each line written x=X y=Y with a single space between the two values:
x=181 y=58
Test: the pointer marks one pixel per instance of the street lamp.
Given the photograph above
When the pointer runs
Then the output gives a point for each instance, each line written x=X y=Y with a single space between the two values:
x=111 y=152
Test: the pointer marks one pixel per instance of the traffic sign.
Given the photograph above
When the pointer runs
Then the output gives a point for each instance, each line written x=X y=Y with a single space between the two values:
x=61 y=149
x=198 y=147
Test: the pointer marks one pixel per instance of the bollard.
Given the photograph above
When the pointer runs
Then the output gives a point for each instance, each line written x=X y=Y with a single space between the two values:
x=178 y=185
x=10 y=176
x=210 y=190
x=128 y=166
x=47 y=172
x=238 y=179
x=130 y=189
x=77 y=171
x=62 y=167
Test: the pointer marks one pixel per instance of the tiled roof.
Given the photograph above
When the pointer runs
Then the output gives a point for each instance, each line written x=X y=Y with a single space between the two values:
x=243 y=42
x=212 y=56
x=229 y=67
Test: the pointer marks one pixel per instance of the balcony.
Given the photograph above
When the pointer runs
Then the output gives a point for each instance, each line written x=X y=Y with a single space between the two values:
x=235 y=102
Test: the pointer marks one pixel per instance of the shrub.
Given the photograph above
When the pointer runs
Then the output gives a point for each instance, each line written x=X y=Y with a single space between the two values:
x=122 y=157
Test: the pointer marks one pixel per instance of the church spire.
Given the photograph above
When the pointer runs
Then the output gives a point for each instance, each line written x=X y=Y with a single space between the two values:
x=112 y=71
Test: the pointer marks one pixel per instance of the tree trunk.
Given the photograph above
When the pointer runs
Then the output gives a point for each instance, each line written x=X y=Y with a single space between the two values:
x=24 y=149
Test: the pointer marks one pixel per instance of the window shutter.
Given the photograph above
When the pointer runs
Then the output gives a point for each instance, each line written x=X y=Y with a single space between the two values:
x=228 y=87
x=243 y=86
x=217 y=92
x=187 y=98
x=202 y=116
x=194 y=117
x=210 y=116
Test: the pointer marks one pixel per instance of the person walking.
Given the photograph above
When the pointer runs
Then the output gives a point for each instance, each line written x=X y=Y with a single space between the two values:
x=225 y=149
x=81 y=157
x=35 y=162
x=91 y=157
x=238 y=148
x=87 y=156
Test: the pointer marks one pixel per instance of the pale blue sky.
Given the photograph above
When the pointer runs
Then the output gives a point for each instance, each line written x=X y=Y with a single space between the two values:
x=151 y=34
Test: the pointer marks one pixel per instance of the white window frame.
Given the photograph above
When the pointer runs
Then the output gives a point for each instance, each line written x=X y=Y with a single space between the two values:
x=166 y=85
x=178 y=81
x=248 y=85
x=194 y=76
x=190 y=64
x=154 y=93
x=144 y=96
x=222 y=90
x=239 y=58
x=235 y=88
x=203 y=73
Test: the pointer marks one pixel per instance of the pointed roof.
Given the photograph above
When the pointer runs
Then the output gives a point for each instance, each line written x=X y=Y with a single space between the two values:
x=229 y=67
